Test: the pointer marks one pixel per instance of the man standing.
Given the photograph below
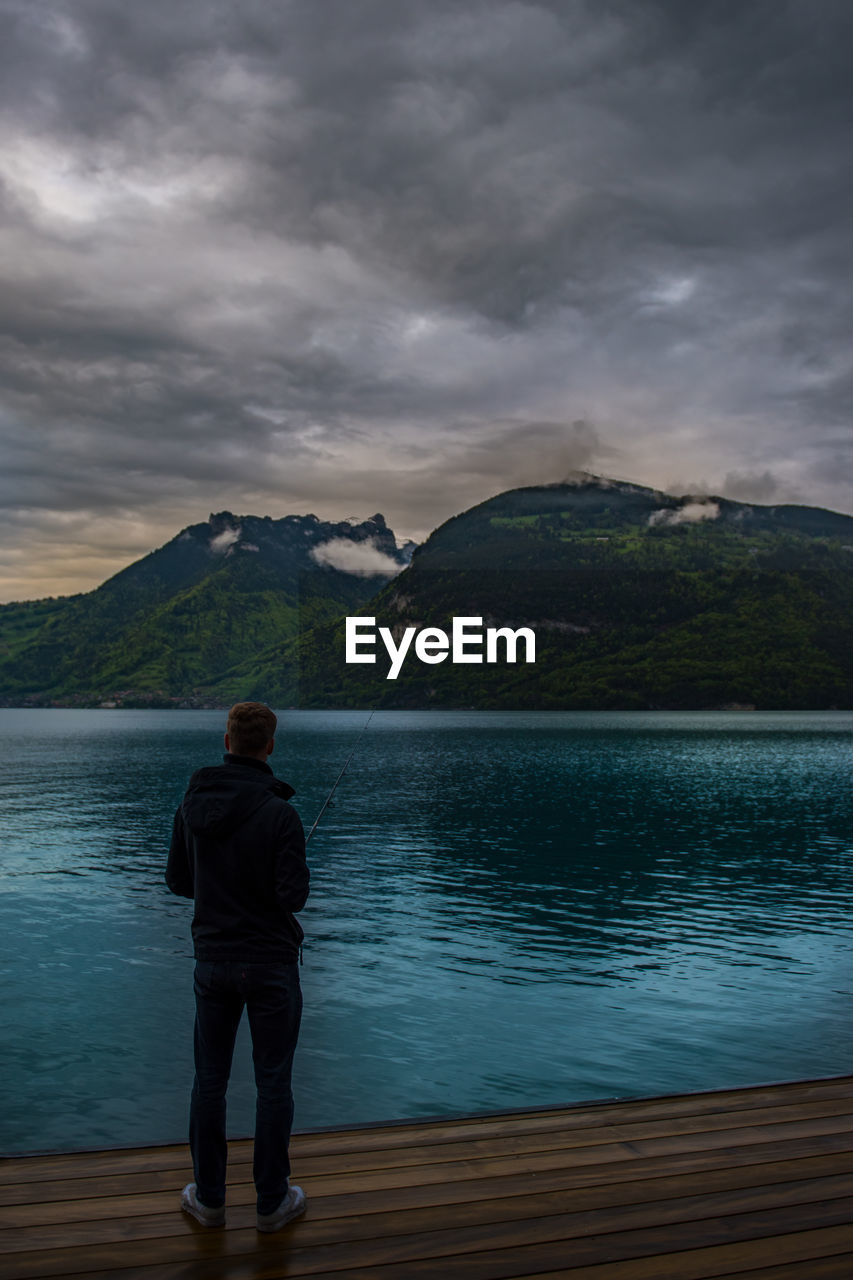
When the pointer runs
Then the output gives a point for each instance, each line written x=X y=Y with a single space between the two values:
x=238 y=849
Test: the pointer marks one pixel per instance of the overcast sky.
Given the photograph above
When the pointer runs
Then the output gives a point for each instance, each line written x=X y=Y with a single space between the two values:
x=348 y=256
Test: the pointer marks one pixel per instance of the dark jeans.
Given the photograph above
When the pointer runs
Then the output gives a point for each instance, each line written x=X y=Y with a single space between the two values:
x=272 y=995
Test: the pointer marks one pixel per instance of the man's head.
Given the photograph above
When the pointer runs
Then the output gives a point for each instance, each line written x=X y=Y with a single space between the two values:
x=250 y=730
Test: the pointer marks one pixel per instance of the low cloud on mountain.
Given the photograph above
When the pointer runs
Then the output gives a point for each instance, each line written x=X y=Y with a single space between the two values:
x=355 y=557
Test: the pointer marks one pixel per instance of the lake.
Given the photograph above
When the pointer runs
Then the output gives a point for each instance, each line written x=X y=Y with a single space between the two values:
x=508 y=909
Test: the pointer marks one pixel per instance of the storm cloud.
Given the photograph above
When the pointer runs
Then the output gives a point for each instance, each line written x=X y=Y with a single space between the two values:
x=406 y=253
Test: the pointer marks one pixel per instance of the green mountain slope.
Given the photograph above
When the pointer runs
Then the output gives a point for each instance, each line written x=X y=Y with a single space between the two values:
x=173 y=624
x=637 y=599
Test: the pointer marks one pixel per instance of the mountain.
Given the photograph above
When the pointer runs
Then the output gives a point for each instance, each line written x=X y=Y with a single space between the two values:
x=638 y=599
x=171 y=626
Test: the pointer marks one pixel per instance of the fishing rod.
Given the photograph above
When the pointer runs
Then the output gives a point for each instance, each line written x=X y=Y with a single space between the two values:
x=328 y=799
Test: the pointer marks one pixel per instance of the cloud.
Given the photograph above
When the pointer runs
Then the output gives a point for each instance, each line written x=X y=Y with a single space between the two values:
x=520 y=452
x=221 y=543
x=323 y=256
x=751 y=486
x=690 y=513
x=363 y=558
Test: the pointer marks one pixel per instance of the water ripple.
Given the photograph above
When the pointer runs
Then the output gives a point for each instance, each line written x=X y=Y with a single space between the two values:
x=507 y=909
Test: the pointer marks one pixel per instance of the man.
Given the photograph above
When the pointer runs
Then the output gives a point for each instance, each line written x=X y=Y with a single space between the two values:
x=238 y=849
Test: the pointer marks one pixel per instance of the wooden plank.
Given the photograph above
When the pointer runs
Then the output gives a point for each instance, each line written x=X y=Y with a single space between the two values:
x=804 y=1252
x=813 y=1255
x=602 y=1190
x=595 y=1163
x=529 y=1211
x=427 y=1133
x=708 y=1265
x=657 y=1188
x=837 y=1267
x=826 y=1116
x=595 y=1114
x=498 y=1250
x=744 y=1261
x=738 y=1142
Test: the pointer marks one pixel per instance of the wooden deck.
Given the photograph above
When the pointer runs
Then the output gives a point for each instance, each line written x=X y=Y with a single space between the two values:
x=751 y=1182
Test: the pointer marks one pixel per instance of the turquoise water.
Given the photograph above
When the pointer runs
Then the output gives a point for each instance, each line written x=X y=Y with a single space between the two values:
x=508 y=909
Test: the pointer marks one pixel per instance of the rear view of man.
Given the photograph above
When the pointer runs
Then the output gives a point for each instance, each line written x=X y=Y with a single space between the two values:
x=238 y=849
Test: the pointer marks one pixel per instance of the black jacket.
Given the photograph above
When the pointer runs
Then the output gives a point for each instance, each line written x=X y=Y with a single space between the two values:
x=238 y=849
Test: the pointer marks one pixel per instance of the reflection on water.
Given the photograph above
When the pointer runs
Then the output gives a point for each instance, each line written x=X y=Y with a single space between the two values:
x=508 y=909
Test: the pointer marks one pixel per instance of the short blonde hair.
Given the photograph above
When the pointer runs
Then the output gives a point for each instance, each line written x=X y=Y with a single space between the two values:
x=251 y=725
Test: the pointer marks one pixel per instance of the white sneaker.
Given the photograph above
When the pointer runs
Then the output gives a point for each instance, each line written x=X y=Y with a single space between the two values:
x=191 y=1204
x=291 y=1207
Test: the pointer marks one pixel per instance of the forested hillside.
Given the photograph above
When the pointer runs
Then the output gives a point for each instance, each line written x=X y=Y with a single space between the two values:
x=638 y=600
x=171 y=626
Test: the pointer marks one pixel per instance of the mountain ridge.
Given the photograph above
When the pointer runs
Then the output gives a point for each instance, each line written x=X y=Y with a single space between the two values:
x=641 y=598
x=170 y=624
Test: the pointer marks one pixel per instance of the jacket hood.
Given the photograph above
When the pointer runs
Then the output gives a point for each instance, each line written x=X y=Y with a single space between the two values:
x=220 y=798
